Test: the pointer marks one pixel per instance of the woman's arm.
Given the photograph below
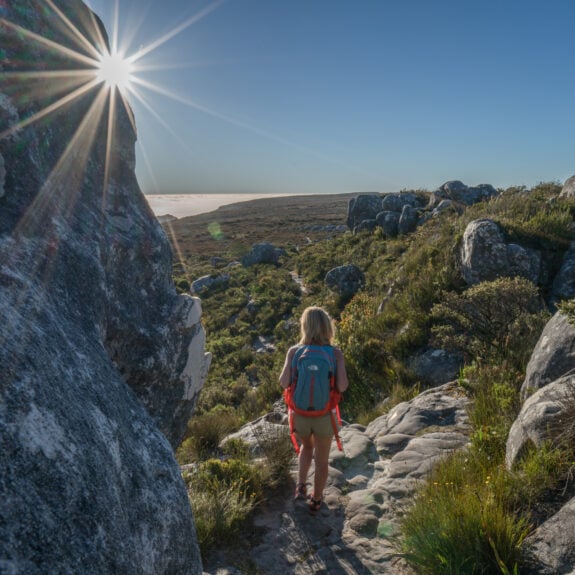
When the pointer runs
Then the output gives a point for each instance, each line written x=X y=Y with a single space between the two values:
x=285 y=376
x=341 y=381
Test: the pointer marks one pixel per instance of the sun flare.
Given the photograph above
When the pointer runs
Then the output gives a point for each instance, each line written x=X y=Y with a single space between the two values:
x=87 y=62
x=115 y=71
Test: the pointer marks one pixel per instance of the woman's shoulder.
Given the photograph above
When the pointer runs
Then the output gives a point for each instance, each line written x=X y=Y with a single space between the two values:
x=337 y=352
x=292 y=350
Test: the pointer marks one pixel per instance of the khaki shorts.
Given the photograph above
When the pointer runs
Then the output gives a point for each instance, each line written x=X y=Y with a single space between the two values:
x=320 y=426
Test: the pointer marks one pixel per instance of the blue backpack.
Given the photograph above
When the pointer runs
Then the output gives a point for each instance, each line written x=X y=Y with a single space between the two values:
x=312 y=391
x=313 y=377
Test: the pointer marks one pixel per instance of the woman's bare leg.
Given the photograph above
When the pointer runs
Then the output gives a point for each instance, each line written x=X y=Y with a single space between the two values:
x=322 y=448
x=305 y=457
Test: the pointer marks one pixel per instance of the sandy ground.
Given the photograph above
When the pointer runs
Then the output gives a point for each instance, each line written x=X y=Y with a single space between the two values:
x=183 y=205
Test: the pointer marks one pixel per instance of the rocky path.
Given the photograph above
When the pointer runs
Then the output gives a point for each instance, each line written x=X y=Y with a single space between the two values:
x=368 y=485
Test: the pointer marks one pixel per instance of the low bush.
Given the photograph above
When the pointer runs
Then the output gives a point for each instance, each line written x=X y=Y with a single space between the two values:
x=460 y=524
x=275 y=443
x=204 y=435
x=222 y=495
x=492 y=322
x=494 y=390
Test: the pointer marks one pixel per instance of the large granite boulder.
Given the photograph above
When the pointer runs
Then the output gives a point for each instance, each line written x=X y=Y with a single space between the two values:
x=457 y=191
x=389 y=223
x=363 y=207
x=564 y=282
x=208 y=281
x=436 y=366
x=101 y=361
x=396 y=202
x=568 y=190
x=407 y=220
x=365 y=226
x=485 y=255
x=553 y=543
x=262 y=253
x=345 y=280
x=553 y=356
x=539 y=418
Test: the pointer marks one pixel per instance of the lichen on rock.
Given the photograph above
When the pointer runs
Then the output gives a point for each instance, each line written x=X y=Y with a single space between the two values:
x=101 y=360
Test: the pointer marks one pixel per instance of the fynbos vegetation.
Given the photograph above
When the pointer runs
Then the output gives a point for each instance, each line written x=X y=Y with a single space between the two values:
x=473 y=514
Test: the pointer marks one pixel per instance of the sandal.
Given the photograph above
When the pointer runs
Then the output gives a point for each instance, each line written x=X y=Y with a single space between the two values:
x=314 y=504
x=301 y=492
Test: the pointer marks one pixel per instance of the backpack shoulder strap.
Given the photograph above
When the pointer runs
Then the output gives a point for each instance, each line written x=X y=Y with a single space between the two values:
x=329 y=349
x=299 y=349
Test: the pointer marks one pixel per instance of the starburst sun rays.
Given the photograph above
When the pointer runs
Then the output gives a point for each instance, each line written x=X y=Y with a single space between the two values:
x=97 y=65
x=41 y=78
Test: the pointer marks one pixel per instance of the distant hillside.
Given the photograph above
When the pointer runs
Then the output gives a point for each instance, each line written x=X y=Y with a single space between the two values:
x=281 y=221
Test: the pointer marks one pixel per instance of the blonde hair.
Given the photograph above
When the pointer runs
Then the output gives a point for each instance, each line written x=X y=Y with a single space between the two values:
x=316 y=327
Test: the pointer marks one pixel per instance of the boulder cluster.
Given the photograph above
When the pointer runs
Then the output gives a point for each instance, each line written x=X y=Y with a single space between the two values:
x=400 y=213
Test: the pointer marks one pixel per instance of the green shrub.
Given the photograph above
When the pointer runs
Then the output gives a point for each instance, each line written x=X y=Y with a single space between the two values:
x=182 y=284
x=494 y=321
x=567 y=307
x=459 y=523
x=494 y=390
x=222 y=495
x=540 y=473
x=204 y=435
x=367 y=363
x=276 y=445
x=236 y=448
x=535 y=217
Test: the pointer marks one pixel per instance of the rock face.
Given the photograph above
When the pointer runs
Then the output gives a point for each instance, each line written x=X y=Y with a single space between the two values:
x=345 y=280
x=101 y=361
x=485 y=255
x=568 y=190
x=564 y=281
x=364 y=207
x=553 y=356
x=459 y=192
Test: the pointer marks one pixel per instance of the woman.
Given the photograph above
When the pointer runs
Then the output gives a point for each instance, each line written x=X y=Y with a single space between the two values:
x=314 y=433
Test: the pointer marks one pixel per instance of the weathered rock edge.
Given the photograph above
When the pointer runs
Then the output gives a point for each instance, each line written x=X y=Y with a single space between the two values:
x=101 y=362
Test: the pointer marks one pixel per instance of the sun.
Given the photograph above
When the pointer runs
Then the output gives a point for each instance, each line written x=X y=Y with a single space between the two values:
x=115 y=71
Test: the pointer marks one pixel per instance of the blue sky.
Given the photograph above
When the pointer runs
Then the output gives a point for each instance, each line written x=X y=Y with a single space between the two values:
x=330 y=96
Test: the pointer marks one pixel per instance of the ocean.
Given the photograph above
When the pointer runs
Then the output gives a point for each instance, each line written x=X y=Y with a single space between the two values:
x=183 y=205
